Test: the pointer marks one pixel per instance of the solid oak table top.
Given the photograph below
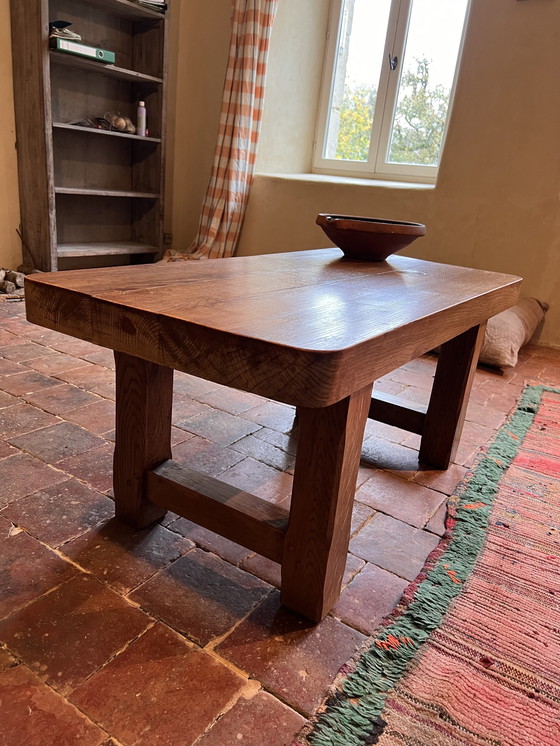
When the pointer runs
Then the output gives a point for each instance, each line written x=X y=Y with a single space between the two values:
x=306 y=327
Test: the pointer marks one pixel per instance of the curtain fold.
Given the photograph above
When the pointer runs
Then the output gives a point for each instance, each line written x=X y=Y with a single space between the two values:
x=240 y=121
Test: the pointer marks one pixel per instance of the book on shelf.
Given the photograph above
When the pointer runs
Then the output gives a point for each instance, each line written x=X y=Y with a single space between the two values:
x=154 y=4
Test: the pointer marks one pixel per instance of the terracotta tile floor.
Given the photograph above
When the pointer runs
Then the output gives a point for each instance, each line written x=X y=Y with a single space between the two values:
x=175 y=636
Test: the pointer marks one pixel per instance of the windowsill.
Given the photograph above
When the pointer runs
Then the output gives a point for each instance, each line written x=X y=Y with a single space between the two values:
x=346 y=180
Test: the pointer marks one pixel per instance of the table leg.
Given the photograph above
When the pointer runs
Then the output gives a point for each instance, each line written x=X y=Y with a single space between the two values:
x=143 y=434
x=450 y=395
x=316 y=543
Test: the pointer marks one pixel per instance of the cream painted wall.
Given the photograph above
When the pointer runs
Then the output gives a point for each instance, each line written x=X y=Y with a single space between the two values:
x=10 y=245
x=199 y=52
x=293 y=82
x=497 y=201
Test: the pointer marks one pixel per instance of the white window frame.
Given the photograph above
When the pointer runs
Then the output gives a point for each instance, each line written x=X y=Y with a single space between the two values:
x=376 y=166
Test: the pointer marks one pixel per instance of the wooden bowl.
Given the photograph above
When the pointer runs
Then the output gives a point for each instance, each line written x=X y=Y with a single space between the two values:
x=369 y=238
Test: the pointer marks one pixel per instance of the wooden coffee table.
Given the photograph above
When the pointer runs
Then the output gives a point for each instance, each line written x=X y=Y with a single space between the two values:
x=305 y=328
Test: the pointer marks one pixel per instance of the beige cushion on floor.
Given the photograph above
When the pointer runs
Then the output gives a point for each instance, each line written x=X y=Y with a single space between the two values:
x=507 y=332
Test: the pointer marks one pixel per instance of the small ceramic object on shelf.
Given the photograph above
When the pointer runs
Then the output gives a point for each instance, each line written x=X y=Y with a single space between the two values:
x=372 y=239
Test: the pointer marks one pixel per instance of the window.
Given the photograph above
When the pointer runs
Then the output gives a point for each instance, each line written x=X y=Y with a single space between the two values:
x=387 y=87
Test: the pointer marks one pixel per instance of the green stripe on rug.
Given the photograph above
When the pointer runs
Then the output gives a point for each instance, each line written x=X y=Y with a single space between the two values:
x=352 y=716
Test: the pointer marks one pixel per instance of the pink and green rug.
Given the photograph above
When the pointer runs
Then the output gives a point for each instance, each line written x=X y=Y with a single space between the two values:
x=472 y=655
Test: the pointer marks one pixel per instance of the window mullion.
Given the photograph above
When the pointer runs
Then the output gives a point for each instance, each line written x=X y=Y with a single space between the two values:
x=382 y=125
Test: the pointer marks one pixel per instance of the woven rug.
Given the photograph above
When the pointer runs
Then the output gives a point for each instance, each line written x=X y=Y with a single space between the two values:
x=471 y=657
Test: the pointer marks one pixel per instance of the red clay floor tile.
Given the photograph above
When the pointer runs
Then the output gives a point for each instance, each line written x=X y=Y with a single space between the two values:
x=27 y=382
x=45 y=337
x=23 y=351
x=102 y=356
x=408 y=501
x=360 y=514
x=263 y=568
x=7 y=338
x=387 y=432
x=285 y=441
x=56 y=442
x=414 y=394
x=16 y=323
x=183 y=383
x=387 y=386
x=160 y=690
x=201 y=595
x=74 y=346
x=23 y=418
x=442 y=481
x=201 y=455
x=124 y=557
x=80 y=376
x=21 y=475
x=27 y=569
x=8 y=368
x=68 y=634
x=370 y=596
x=61 y=398
x=98 y=418
x=96 y=379
x=6 y=660
x=353 y=566
x=486 y=415
x=270 y=571
x=264 y=452
x=6 y=450
x=94 y=467
x=6 y=400
x=61 y=512
x=382 y=454
x=211 y=542
x=262 y=719
x=177 y=435
x=294 y=659
x=436 y=524
x=273 y=415
x=393 y=545
x=53 y=364
x=229 y=400
x=219 y=427
x=259 y=479
x=466 y=454
x=476 y=433
x=32 y=714
x=421 y=380
x=185 y=408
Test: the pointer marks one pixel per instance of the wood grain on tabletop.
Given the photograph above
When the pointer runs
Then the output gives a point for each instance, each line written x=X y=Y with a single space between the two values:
x=255 y=322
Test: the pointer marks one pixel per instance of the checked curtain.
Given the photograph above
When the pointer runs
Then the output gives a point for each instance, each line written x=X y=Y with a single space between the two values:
x=234 y=159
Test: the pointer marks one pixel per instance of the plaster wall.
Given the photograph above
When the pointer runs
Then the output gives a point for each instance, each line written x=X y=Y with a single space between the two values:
x=10 y=245
x=199 y=48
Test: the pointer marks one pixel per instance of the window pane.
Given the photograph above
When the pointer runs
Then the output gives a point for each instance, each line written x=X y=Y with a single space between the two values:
x=427 y=73
x=360 y=54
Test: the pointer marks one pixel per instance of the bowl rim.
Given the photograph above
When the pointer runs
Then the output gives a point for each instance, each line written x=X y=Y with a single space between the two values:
x=341 y=221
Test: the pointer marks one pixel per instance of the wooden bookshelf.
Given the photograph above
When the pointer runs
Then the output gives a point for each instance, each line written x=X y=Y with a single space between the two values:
x=88 y=192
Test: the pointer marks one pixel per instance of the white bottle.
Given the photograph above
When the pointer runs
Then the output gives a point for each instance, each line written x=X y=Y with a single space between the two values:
x=141 y=119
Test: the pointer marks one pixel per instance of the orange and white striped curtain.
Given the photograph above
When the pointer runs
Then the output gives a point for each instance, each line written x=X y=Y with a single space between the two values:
x=234 y=159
